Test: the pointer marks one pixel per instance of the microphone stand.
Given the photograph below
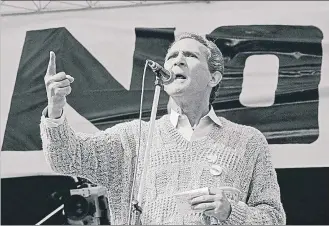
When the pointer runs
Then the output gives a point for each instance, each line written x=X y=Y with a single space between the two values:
x=136 y=204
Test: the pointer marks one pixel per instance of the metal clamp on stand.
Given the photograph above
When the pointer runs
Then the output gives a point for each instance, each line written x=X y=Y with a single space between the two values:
x=137 y=208
x=137 y=211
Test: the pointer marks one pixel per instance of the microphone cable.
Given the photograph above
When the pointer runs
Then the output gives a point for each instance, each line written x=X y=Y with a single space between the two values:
x=138 y=147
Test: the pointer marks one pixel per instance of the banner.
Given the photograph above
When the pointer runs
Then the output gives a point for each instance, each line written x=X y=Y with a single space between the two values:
x=275 y=72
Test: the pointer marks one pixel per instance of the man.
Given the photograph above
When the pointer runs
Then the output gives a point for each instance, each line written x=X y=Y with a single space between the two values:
x=191 y=148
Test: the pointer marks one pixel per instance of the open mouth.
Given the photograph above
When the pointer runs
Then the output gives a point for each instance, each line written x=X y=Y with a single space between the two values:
x=180 y=76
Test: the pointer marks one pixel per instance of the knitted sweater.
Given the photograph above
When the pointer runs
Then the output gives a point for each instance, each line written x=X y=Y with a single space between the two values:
x=175 y=165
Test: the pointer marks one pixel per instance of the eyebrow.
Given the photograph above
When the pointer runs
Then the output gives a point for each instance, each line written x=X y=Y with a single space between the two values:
x=184 y=52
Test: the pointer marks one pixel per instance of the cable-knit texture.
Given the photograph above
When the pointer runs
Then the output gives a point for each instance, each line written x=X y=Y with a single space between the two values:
x=107 y=158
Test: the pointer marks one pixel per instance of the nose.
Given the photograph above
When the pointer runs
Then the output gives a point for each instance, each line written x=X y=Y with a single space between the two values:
x=180 y=60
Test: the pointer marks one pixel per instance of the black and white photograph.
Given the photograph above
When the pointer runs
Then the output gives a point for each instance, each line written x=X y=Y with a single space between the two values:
x=164 y=112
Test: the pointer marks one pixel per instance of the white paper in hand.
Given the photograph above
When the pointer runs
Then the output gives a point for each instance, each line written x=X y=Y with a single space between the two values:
x=183 y=198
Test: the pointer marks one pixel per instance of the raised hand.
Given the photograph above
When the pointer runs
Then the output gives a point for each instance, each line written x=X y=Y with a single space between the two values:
x=58 y=86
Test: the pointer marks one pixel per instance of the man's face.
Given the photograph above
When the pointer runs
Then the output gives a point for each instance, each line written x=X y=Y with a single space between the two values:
x=187 y=59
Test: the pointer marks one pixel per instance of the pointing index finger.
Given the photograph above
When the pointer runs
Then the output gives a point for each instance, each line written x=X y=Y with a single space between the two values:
x=51 y=70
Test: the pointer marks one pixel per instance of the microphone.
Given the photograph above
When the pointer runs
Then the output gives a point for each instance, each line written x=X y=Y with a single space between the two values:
x=166 y=76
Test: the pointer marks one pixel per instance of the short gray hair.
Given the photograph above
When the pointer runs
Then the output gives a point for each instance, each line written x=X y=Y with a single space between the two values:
x=215 y=57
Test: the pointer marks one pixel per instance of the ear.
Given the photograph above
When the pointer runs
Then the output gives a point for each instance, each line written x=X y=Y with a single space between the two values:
x=216 y=77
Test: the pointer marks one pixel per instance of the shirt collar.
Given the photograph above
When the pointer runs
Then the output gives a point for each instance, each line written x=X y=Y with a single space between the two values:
x=174 y=116
x=212 y=115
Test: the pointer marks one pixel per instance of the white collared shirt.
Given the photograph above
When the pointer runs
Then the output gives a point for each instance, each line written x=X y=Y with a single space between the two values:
x=182 y=124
